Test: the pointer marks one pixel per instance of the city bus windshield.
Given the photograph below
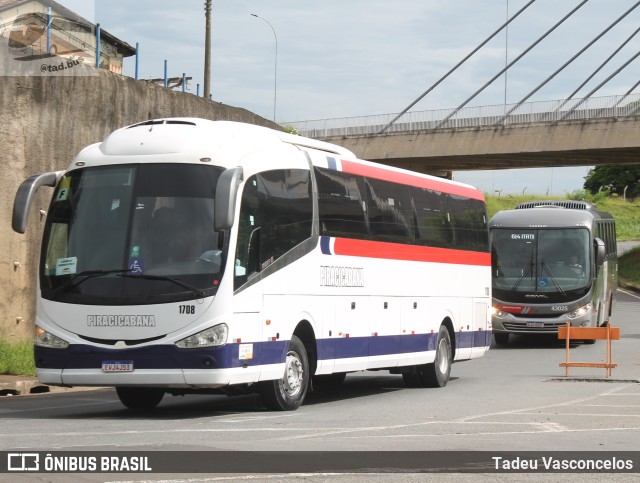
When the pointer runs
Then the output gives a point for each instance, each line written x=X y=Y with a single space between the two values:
x=132 y=234
x=549 y=261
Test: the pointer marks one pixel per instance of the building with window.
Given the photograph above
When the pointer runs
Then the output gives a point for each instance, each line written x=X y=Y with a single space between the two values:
x=23 y=26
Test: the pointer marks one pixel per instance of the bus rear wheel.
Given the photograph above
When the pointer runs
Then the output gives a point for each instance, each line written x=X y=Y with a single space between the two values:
x=437 y=373
x=288 y=393
x=140 y=398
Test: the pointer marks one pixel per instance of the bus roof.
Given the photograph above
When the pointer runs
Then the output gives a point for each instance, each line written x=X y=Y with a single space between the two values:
x=227 y=143
x=548 y=214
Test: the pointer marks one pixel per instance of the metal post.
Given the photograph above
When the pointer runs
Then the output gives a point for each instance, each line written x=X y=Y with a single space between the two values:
x=137 y=58
x=275 y=69
x=198 y=90
x=207 y=49
x=166 y=79
x=184 y=81
x=97 y=46
x=48 y=30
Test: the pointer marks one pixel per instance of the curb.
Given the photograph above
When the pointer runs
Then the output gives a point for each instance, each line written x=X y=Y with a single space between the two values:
x=25 y=386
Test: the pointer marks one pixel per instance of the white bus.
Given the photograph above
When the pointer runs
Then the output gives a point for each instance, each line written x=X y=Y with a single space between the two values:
x=553 y=262
x=192 y=256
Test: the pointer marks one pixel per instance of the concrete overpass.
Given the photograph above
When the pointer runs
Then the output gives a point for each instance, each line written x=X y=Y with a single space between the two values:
x=598 y=131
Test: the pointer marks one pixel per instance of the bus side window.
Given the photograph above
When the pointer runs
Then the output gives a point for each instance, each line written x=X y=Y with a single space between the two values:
x=432 y=218
x=276 y=214
x=390 y=211
x=341 y=204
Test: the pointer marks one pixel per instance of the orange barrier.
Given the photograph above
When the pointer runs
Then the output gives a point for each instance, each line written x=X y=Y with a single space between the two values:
x=607 y=333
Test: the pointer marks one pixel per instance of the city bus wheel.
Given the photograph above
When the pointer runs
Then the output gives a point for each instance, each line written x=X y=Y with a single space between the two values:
x=437 y=374
x=140 y=398
x=287 y=394
x=501 y=338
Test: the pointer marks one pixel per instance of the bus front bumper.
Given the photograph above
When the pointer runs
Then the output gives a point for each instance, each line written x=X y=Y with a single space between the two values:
x=172 y=378
x=521 y=324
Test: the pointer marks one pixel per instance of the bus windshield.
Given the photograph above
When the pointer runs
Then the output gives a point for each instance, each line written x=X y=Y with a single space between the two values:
x=549 y=261
x=132 y=232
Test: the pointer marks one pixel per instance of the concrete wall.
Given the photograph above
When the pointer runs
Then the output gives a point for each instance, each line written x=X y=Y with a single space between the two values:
x=44 y=123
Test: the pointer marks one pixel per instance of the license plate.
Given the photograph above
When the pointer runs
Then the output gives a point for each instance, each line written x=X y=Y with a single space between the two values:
x=117 y=366
x=535 y=324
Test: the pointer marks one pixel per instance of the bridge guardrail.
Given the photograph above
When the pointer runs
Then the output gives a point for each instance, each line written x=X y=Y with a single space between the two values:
x=480 y=116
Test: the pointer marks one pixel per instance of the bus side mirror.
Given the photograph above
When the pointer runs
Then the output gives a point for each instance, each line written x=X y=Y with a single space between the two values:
x=25 y=194
x=598 y=246
x=225 y=200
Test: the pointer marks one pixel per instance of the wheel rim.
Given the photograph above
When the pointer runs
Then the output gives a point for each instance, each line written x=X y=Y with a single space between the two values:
x=443 y=356
x=293 y=375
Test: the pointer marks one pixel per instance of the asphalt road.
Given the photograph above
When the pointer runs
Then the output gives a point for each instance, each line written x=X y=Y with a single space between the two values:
x=515 y=398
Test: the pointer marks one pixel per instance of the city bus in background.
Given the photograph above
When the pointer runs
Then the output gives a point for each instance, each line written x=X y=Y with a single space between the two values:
x=553 y=262
x=192 y=256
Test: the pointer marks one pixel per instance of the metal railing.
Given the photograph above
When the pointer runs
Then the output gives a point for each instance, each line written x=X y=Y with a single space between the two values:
x=470 y=117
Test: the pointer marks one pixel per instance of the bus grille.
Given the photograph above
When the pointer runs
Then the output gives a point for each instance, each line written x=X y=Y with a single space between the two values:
x=547 y=327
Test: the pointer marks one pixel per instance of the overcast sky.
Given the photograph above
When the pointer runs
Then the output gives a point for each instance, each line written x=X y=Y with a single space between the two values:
x=364 y=57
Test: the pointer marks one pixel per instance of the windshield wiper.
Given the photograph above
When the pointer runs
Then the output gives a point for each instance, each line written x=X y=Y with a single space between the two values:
x=87 y=274
x=196 y=291
x=524 y=274
x=545 y=268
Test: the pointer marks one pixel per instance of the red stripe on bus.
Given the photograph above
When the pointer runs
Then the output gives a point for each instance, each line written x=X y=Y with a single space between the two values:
x=410 y=179
x=398 y=251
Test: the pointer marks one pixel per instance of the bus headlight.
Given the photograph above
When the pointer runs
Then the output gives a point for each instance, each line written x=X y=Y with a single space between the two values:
x=497 y=312
x=579 y=312
x=48 y=340
x=211 y=337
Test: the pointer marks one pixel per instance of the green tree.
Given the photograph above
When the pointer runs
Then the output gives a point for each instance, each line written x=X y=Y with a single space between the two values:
x=614 y=178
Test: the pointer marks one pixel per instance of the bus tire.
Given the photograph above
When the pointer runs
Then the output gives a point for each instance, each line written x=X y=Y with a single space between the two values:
x=437 y=373
x=501 y=338
x=140 y=398
x=288 y=393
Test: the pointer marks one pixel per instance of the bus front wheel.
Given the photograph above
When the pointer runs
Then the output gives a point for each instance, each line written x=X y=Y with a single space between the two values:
x=140 y=398
x=288 y=393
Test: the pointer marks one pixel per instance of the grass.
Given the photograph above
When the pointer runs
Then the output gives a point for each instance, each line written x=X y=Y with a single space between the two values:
x=17 y=358
x=626 y=213
x=629 y=269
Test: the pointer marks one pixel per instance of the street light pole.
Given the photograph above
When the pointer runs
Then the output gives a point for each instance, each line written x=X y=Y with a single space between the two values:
x=275 y=69
x=207 y=49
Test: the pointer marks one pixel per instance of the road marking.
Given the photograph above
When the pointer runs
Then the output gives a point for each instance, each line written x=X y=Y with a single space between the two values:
x=626 y=293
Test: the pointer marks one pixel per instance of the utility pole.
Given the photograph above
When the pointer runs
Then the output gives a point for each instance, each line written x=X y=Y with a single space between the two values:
x=207 y=49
